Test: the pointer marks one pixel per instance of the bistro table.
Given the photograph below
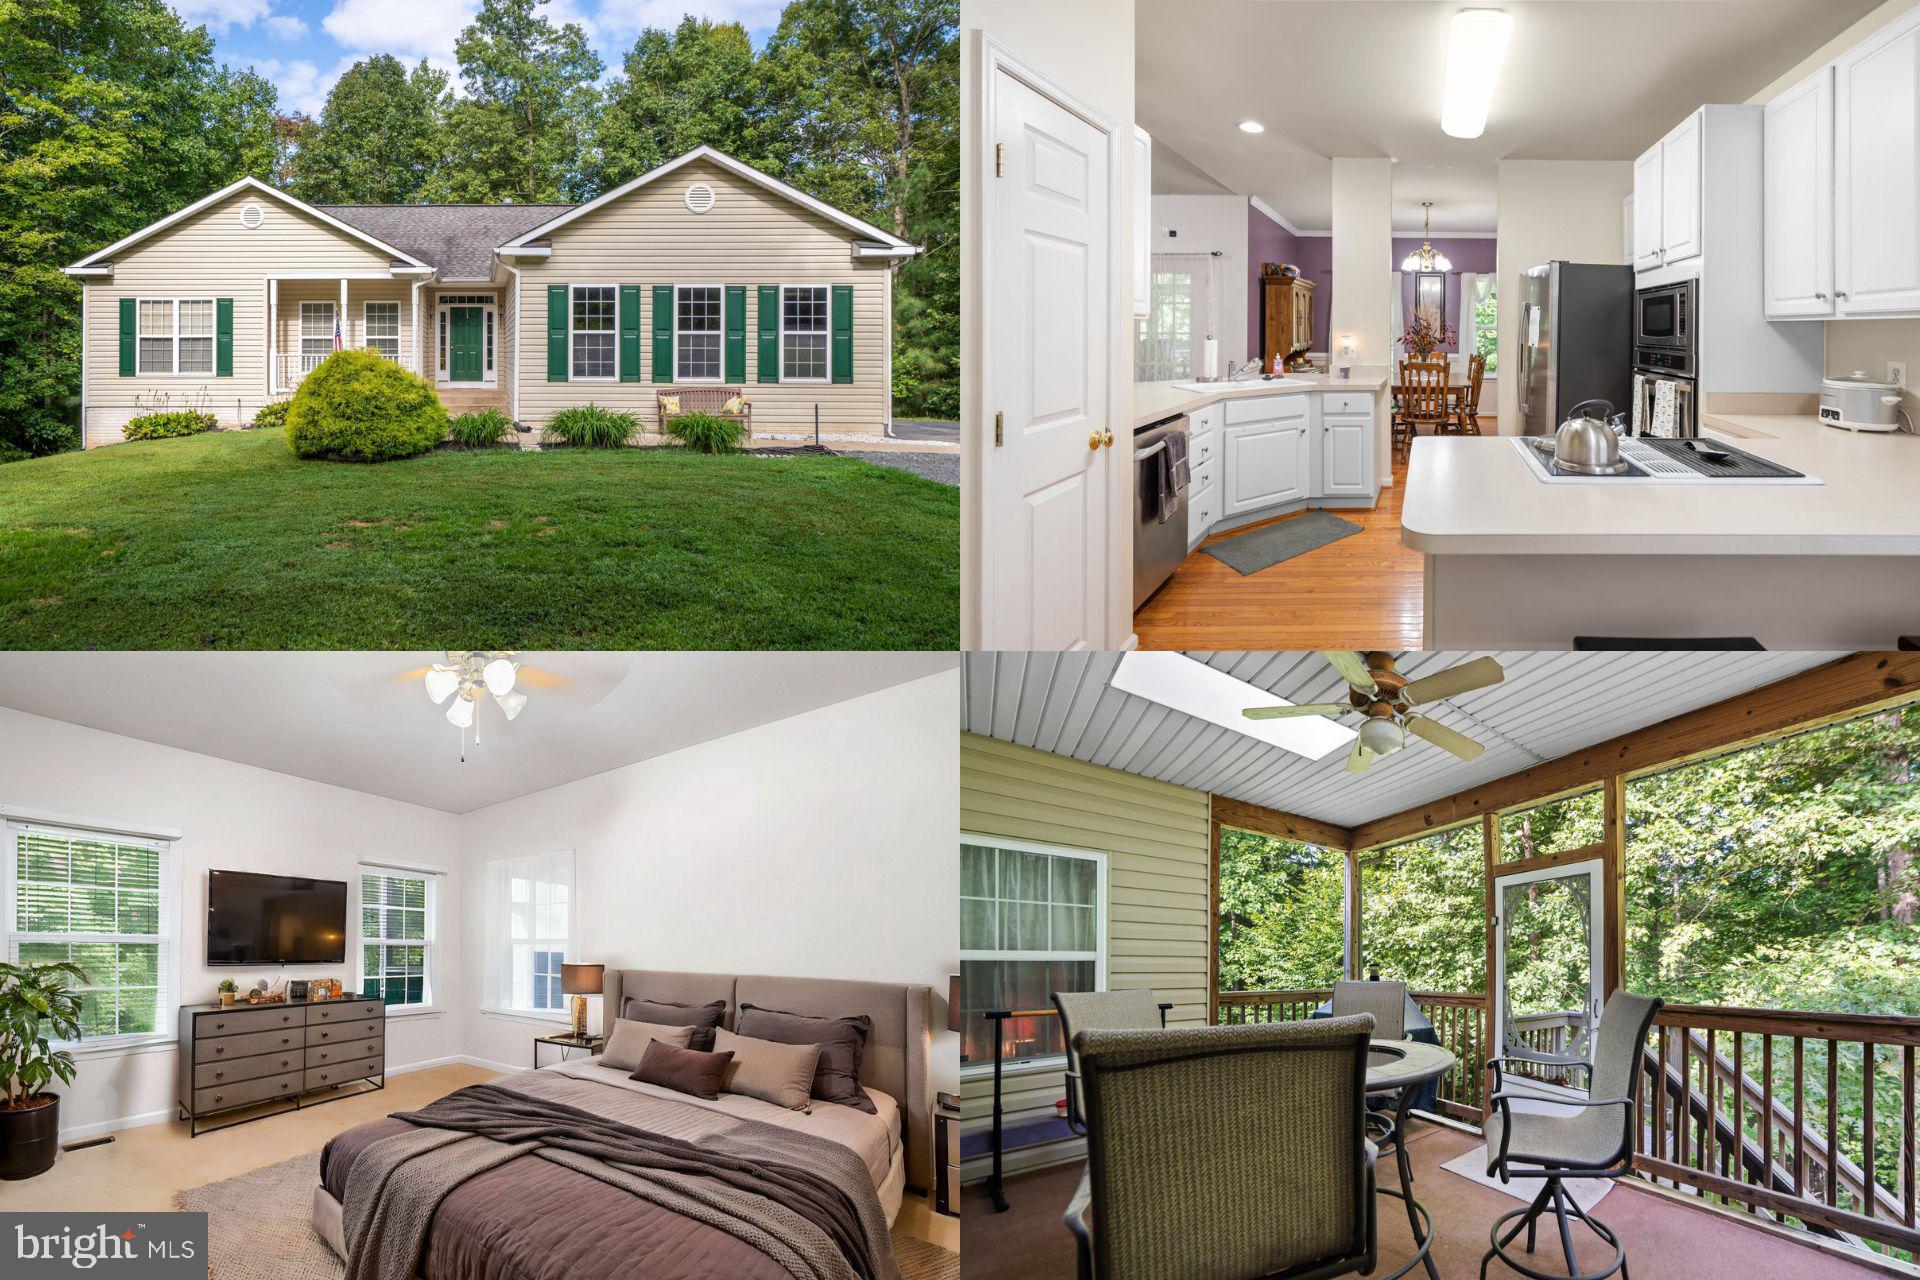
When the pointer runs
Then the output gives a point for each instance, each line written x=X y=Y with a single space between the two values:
x=1402 y=1066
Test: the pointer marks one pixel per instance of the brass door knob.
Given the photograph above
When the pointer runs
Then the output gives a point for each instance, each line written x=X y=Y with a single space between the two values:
x=1107 y=439
x=1093 y=439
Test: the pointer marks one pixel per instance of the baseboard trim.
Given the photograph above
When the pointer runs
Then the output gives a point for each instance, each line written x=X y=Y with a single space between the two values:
x=504 y=1068
x=103 y=1127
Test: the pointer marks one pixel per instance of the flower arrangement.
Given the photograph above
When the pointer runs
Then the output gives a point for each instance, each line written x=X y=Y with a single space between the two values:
x=1424 y=336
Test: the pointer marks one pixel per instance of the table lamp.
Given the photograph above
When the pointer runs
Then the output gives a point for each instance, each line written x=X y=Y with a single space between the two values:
x=1348 y=350
x=581 y=981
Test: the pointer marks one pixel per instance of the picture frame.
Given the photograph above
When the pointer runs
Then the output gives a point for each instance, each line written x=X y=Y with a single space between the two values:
x=1430 y=298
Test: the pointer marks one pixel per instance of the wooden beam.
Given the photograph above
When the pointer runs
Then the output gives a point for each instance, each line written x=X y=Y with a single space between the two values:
x=1847 y=687
x=1541 y=861
x=1353 y=916
x=1613 y=841
x=1286 y=826
x=1490 y=842
x=1213 y=921
x=1804 y=1208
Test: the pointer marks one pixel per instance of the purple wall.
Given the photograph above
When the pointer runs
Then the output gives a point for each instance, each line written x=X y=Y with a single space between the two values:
x=1268 y=241
x=1467 y=255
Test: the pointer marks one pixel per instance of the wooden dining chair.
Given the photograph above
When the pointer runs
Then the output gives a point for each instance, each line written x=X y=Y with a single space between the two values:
x=1469 y=398
x=1424 y=399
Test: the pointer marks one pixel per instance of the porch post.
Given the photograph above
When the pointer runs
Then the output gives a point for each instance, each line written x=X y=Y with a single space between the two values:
x=1213 y=920
x=414 y=316
x=1613 y=865
x=273 y=335
x=344 y=340
x=1353 y=914
x=1490 y=846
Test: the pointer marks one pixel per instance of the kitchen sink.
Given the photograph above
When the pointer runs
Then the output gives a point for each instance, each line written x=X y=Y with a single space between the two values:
x=1247 y=384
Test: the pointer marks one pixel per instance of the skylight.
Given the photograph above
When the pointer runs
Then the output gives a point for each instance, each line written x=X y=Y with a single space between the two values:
x=1177 y=681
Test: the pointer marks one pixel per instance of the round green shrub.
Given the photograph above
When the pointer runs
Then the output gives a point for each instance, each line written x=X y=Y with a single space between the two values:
x=707 y=432
x=481 y=429
x=165 y=426
x=272 y=417
x=591 y=426
x=360 y=407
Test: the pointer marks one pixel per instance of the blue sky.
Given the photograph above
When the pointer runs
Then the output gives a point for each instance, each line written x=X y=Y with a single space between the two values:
x=304 y=45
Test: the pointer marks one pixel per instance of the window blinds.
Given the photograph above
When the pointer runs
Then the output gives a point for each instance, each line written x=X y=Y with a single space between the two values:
x=396 y=935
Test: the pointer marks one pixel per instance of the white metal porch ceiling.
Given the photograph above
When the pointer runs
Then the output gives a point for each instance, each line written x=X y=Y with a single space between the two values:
x=1550 y=704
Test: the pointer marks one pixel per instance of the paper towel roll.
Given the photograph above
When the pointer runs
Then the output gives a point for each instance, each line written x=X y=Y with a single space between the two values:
x=1210 y=359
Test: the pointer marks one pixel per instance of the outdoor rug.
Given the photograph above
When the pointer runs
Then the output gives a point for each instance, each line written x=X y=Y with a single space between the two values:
x=1472 y=1166
x=260 y=1227
x=1264 y=548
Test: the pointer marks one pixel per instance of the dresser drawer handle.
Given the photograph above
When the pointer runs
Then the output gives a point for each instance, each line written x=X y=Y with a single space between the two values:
x=286 y=1062
x=218 y=1025
x=219 y=1075
x=219 y=1049
x=219 y=1097
x=323 y=1035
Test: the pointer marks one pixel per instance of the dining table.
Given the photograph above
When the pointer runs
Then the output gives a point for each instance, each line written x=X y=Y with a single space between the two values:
x=1401 y=1068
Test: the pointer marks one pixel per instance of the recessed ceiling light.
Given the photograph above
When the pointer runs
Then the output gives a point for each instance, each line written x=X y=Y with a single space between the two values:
x=1252 y=126
x=1476 y=46
x=1177 y=681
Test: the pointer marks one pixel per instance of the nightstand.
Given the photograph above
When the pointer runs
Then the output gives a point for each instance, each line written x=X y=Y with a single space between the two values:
x=946 y=1153
x=592 y=1044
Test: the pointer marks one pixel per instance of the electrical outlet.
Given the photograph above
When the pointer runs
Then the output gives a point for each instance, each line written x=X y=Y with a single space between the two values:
x=1897 y=373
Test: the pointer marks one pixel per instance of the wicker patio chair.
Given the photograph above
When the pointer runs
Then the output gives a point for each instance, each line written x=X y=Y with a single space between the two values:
x=713 y=400
x=1386 y=1001
x=1226 y=1152
x=1595 y=1142
x=1131 y=1010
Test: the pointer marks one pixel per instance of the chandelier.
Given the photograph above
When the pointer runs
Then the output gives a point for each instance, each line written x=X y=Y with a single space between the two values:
x=466 y=679
x=1426 y=257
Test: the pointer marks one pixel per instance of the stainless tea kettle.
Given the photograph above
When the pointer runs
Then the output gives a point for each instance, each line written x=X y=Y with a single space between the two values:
x=1586 y=444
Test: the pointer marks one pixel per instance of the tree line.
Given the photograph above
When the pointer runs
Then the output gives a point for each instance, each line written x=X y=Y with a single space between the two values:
x=114 y=113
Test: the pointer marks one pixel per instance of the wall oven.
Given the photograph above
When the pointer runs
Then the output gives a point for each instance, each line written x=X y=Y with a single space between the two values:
x=1663 y=316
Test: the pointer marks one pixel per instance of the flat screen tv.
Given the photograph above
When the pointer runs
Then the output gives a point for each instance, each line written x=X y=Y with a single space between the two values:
x=261 y=920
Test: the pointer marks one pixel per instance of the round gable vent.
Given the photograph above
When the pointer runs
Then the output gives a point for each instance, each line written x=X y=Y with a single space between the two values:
x=699 y=197
x=251 y=216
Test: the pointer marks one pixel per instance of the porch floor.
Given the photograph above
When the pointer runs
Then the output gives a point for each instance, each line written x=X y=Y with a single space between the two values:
x=1665 y=1240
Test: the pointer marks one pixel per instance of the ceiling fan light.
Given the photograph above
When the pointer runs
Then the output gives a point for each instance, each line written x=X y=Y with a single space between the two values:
x=511 y=703
x=499 y=674
x=441 y=683
x=460 y=714
x=1382 y=736
x=1476 y=46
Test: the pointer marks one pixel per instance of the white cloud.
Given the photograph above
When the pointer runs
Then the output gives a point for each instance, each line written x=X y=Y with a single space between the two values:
x=302 y=85
x=404 y=30
x=629 y=17
x=286 y=27
x=221 y=15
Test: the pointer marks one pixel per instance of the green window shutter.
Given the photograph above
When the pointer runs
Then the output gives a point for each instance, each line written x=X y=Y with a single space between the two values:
x=629 y=333
x=769 y=333
x=223 y=337
x=843 y=333
x=736 y=367
x=663 y=333
x=556 y=333
x=127 y=323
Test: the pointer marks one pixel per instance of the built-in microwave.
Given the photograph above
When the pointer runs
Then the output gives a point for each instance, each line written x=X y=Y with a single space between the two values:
x=1663 y=316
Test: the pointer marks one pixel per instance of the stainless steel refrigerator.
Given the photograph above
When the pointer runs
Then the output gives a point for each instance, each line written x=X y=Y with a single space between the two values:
x=1576 y=341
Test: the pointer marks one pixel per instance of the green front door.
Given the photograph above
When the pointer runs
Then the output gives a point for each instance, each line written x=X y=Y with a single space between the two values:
x=466 y=360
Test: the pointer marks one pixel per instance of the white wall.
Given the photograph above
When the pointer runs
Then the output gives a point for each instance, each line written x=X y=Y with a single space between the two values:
x=1363 y=272
x=1209 y=224
x=1567 y=209
x=231 y=816
x=825 y=845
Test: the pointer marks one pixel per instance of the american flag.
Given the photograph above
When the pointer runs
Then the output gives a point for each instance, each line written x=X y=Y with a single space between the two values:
x=336 y=331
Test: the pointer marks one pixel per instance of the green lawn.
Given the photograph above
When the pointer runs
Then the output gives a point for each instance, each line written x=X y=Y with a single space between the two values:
x=228 y=541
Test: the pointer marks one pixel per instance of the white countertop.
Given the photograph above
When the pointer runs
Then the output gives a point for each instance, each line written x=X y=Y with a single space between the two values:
x=1153 y=401
x=1476 y=496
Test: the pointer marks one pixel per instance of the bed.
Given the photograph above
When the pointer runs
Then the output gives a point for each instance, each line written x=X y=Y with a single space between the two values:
x=733 y=1187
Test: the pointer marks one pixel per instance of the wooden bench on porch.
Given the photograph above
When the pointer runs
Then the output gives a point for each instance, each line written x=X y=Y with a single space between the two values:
x=713 y=400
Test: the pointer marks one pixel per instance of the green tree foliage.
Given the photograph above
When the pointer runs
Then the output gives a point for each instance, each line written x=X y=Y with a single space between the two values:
x=1422 y=911
x=1282 y=904
x=1554 y=827
x=379 y=140
x=699 y=84
x=112 y=113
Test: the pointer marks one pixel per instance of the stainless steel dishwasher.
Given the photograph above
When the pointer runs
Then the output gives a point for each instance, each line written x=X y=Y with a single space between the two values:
x=1158 y=548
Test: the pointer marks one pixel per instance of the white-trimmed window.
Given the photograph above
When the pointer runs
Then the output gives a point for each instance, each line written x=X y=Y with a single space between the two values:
x=380 y=326
x=176 y=335
x=594 y=318
x=316 y=334
x=101 y=901
x=396 y=935
x=803 y=333
x=1033 y=920
x=529 y=931
x=696 y=332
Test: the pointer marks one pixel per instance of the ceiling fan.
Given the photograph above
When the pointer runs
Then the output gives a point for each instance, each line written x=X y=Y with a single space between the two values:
x=1386 y=698
x=469 y=676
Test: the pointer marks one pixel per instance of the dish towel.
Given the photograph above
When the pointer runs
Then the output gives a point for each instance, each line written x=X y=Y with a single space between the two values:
x=1663 y=404
x=1173 y=474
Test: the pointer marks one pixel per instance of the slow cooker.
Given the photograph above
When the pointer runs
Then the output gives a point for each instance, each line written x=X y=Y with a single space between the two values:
x=1859 y=403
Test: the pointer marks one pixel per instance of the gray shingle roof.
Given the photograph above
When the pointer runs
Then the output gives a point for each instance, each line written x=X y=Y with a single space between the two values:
x=456 y=238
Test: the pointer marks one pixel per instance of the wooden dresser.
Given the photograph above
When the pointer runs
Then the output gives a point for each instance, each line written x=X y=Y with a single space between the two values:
x=299 y=1053
x=1286 y=318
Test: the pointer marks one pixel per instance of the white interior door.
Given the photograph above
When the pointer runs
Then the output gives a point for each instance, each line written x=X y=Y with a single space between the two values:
x=1548 y=970
x=1049 y=239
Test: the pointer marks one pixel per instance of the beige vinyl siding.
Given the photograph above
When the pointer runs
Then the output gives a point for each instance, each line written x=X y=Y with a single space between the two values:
x=209 y=255
x=751 y=237
x=292 y=293
x=1155 y=836
x=504 y=356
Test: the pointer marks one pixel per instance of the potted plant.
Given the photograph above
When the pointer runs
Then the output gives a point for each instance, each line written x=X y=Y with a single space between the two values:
x=36 y=1008
x=227 y=992
x=1423 y=337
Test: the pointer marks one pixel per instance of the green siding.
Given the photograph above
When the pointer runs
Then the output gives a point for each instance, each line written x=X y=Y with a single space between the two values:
x=663 y=333
x=843 y=333
x=223 y=338
x=556 y=333
x=629 y=333
x=736 y=321
x=769 y=333
x=127 y=322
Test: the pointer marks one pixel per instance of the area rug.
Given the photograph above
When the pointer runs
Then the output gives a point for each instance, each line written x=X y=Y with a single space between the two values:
x=260 y=1227
x=1264 y=548
x=1586 y=1192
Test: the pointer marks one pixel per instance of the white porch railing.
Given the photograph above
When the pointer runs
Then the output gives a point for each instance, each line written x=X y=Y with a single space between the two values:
x=295 y=365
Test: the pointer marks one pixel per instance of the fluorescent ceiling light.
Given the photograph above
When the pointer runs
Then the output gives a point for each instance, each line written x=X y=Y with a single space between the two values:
x=1476 y=46
x=1252 y=126
x=1177 y=681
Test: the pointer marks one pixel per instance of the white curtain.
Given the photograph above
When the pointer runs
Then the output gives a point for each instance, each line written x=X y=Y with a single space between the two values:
x=1469 y=290
x=1397 y=323
x=1183 y=313
x=529 y=921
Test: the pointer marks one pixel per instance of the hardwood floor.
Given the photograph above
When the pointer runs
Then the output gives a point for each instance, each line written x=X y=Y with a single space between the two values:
x=1362 y=592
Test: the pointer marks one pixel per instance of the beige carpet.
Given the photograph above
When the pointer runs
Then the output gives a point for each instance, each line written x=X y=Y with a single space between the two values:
x=260 y=1227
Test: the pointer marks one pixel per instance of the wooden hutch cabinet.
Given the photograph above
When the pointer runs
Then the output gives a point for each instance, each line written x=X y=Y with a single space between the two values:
x=1286 y=319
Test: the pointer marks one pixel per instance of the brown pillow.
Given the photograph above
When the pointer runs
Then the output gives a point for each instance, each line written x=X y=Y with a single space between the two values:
x=629 y=1040
x=683 y=1070
x=776 y=1073
x=843 y=1045
x=703 y=1018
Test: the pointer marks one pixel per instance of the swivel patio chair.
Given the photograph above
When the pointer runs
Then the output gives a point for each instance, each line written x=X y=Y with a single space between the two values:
x=1386 y=1001
x=1134 y=1009
x=1226 y=1152
x=1595 y=1142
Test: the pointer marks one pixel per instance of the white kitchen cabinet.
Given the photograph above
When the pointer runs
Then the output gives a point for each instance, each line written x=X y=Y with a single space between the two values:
x=1142 y=256
x=1798 y=224
x=1346 y=455
x=1667 y=184
x=1646 y=210
x=1876 y=159
x=1266 y=459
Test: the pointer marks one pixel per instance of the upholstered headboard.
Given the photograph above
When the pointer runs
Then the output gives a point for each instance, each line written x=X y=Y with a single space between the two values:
x=898 y=1047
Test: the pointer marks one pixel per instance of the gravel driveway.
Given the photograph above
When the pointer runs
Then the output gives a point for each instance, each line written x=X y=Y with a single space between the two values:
x=944 y=467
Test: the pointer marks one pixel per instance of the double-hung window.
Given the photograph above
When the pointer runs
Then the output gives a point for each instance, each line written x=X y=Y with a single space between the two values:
x=594 y=313
x=101 y=901
x=381 y=323
x=529 y=931
x=696 y=335
x=316 y=334
x=803 y=333
x=176 y=335
x=396 y=936
x=1032 y=922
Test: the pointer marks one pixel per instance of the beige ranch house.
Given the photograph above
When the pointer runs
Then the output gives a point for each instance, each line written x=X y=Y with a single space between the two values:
x=704 y=273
